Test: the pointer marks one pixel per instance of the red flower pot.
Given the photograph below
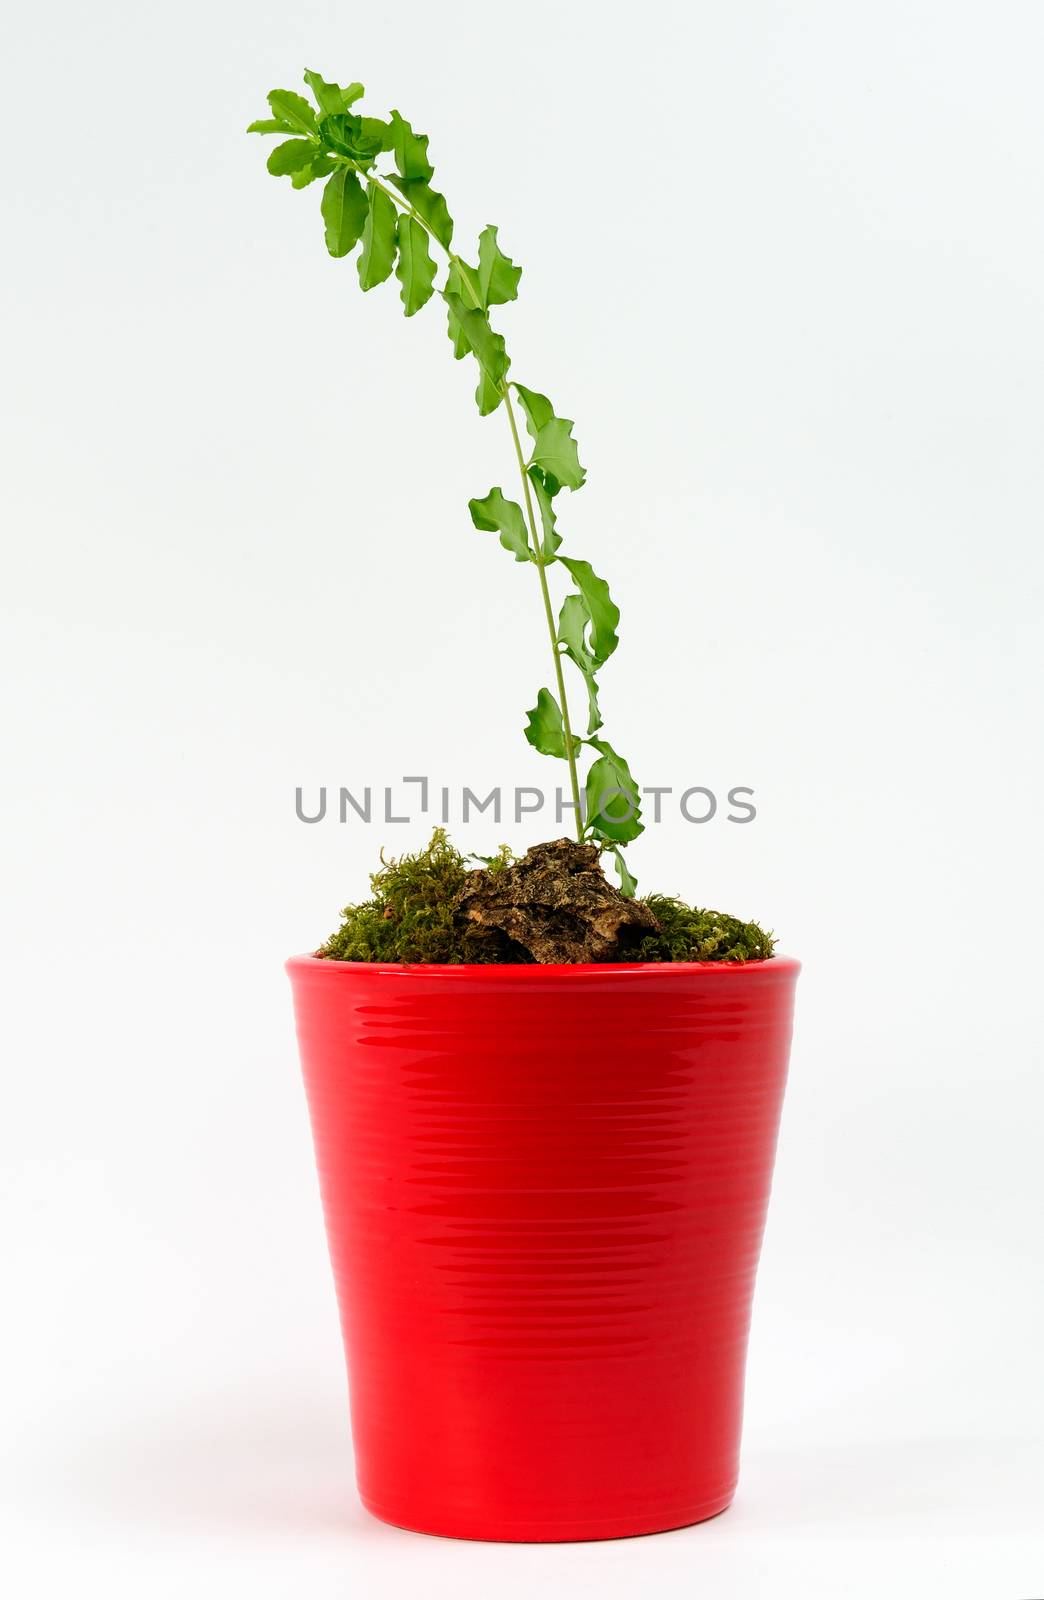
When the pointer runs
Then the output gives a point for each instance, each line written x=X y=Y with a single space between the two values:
x=544 y=1190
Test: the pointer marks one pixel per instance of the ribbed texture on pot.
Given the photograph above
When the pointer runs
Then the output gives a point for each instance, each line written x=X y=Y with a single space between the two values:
x=544 y=1192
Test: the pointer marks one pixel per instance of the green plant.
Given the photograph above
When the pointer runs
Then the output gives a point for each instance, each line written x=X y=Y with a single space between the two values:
x=396 y=217
x=691 y=933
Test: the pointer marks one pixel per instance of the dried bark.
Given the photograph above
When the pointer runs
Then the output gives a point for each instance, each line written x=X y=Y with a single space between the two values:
x=554 y=906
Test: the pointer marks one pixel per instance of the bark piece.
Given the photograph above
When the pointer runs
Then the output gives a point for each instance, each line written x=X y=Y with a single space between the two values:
x=555 y=905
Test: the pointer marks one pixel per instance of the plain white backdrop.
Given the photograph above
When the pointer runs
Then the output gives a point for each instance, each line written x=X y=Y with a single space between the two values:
x=784 y=264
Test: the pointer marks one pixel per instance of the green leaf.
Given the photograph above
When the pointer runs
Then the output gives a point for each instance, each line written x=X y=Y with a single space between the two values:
x=270 y=125
x=458 y=278
x=468 y=285
x=429 y=205
x=330 y=97
x=339 y=131
x=498 y=275
x=573 y=620
x=554 y=451
x=375 y=135
x=544 y=728
x=603 y=612
x=320 y=166
x=488 y=394
x=473 y=327
x=358 y=138
x=551 y=539
x=290 y=157
x=415 y=269
x=613 y=802
x=411 y=151
x=594 y=715
x=293 y=109
x=378 y=239
x=628 y=883
x=572 y=628
x=345 y=210
x=495 y=514
x=537 y=407
x=455 y=285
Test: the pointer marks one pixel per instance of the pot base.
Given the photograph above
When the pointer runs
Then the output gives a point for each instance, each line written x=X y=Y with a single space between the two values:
x=545 y=1532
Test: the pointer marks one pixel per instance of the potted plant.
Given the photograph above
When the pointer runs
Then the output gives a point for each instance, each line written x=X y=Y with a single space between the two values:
x=544 y=1109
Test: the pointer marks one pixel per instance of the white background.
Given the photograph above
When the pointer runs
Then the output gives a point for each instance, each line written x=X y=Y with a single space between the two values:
x=784 y=265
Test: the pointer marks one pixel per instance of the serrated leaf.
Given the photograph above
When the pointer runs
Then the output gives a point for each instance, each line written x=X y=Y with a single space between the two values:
x=345 y=209
x=270 y=125
x=290 y=157
x=330 y=97
x=410 y=150
x=415 y=269
x=628 y=883
x=293 y=109
x=496 y=514
x=537 y=407
x=378 y=239
x=544 y=728
x=320 y=166
x=613 y=800
x=554 y=452
x=551 y=539
x=498 y=275
x=601 y=608
x=473 y=326
x=429 y=205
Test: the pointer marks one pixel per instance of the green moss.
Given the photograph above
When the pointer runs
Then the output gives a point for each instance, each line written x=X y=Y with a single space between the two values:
x=412 y=913
x=690 y=934
x=412 y=916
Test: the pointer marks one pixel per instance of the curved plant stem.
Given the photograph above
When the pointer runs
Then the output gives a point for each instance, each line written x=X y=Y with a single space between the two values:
x=402 y=204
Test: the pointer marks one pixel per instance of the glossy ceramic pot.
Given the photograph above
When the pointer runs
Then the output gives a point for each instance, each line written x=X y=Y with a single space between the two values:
x=544 y=1191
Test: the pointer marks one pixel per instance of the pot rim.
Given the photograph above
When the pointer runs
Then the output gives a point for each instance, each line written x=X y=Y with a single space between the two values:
x=534 y=972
